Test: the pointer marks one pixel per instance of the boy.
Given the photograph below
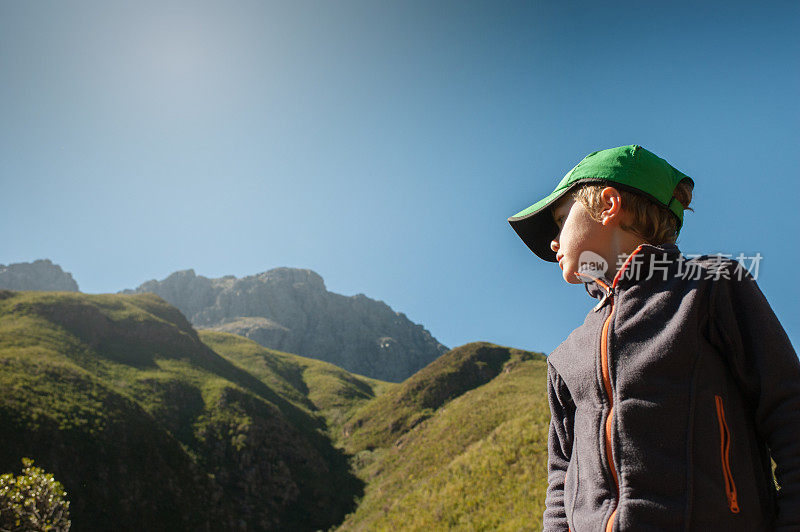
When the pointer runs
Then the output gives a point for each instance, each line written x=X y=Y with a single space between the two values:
x=670 y=399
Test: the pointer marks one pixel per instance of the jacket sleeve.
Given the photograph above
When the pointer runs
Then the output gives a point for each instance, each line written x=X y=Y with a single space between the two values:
x=763 y=360
x=559 y=445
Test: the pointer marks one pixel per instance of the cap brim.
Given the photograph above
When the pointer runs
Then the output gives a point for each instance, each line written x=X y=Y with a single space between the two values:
x=536 y=227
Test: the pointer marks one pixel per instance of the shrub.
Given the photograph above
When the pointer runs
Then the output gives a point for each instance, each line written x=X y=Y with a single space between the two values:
x=33 y=500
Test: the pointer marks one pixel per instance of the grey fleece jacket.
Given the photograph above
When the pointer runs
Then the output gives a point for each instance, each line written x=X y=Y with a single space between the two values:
x=668 y=402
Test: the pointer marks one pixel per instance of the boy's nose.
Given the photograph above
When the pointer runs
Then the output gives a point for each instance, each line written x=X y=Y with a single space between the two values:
x=554 y=246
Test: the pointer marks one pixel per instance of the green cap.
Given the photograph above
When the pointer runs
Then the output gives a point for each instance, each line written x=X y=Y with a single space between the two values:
x=627 y=167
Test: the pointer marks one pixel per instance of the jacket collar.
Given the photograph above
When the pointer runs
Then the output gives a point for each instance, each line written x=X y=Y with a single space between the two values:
x=638 y=266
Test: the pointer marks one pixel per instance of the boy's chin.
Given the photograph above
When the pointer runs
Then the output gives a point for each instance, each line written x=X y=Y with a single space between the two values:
x=570 y=277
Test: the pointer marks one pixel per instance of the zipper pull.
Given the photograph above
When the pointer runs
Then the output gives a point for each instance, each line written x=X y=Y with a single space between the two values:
x=603 y=300
x=733 y=504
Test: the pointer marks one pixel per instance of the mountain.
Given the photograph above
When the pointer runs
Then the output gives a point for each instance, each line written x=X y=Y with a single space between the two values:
x=149 y=428
x=382 y=421
x=290 y=310
x=37 y=275
x=152 y=425
x=461 y=445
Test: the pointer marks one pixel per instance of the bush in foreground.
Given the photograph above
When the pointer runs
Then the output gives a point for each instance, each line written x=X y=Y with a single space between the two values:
x=33 y=500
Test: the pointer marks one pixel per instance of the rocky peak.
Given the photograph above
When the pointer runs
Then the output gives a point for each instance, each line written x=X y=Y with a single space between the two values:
x=37 y=275
x=292 y=276
x=290 y=309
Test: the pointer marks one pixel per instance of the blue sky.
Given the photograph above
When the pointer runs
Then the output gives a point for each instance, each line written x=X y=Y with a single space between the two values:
x=384 y=144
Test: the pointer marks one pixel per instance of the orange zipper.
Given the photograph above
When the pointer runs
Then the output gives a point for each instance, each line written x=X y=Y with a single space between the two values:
x=609 y=391
x=605 y=365
x=725 y=453
x=609 y=424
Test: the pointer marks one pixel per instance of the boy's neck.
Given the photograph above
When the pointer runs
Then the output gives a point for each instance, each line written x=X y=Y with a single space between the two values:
x=621 y=245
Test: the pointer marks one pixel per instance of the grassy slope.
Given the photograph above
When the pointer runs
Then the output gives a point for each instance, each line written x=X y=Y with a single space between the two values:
x=119 y=398
x=99 y=385
x=477 y=462
x=380 y=422
x=314 y=385
x=75 y=424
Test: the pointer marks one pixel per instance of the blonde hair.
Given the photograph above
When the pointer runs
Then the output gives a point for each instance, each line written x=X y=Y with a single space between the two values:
x=653 y=222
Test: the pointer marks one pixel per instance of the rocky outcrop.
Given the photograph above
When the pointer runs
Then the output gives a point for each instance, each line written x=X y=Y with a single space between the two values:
x=290 y=310
x=38 y=275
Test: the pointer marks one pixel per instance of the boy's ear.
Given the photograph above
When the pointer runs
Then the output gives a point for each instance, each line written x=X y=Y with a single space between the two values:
x=611 y=203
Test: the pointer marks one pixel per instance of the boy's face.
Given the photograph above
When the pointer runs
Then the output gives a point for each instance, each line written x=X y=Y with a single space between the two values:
x=578 y=232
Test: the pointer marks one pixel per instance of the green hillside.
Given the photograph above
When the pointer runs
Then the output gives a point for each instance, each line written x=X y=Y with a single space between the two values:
x=151 y=425
x=380 y=422
x=475 y=462
x=316 y=386
x=149 y=428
